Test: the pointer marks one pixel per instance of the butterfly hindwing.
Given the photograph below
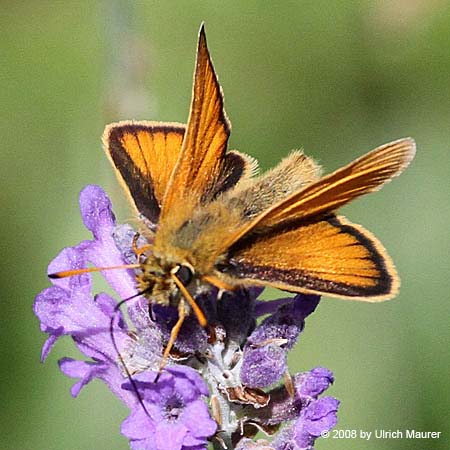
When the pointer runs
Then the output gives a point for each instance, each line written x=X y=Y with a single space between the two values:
x=331 y=256
x=144 y=155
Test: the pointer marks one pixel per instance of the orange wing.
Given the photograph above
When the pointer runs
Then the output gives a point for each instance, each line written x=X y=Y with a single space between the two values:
x=300 y=245
x=331 y=257
x=366 y=174
x=144 y=155
x=201 y=164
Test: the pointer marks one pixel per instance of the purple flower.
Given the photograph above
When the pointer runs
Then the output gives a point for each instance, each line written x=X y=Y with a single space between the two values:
x=313 y=383
x=229 y=362
x=315 y=419
x=67 y=308
x=177 y=416
x=265 y=354
x=299 y=405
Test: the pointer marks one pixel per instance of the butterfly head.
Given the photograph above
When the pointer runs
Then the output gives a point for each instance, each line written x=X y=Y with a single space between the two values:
x=160 y=282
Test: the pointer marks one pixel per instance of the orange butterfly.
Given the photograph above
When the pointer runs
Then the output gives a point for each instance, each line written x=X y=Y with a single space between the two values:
x=210 y=221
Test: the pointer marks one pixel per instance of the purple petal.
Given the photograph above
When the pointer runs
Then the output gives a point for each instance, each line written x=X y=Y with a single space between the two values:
x=151 y=391
x=147 y=378
x=50 y=308
x=169 y=436
x=321 y=415
x=103 y=370
x=56 y=308
x=264 y=307
x=49 y=343
x=84 y=370
x=138 y=425
x=305 y=304
x=107 y=305
x=143 y=444
x=197 y=419
x=104 y=253
x=189 y=427
x=285 y=440
x=265 y=352
x=68 y=259
x=287 y=323
x=313 y=383
x=78 y=315
x=96 y=210
x=191 y=375
x=191 y=442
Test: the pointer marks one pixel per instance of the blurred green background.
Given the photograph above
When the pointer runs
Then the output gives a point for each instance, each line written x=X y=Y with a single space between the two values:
x=336 y=78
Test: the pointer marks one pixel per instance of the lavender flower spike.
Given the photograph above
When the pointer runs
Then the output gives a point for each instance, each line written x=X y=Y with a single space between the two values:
x=216 y=385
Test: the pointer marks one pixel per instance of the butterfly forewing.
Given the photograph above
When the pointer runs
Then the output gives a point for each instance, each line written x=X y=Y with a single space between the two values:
x=201 y=164
x=366 y=174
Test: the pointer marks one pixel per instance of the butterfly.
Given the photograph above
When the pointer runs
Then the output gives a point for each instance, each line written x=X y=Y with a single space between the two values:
x=211 y=221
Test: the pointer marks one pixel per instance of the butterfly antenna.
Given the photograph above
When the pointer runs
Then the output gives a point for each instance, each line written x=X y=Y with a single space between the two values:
x=116 y=348
x=73 y=272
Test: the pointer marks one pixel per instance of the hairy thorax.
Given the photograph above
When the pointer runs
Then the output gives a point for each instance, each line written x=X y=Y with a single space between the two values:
x=199 y=240
x=190 y=252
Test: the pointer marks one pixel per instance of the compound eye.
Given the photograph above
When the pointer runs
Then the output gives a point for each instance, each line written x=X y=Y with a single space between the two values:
x=184 y=274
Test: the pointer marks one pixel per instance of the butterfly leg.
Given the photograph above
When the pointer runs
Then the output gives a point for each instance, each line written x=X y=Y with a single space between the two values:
x=182 y=313
x=173 y=337
x=138 y=251
x=134 y=243
x=218 y=283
